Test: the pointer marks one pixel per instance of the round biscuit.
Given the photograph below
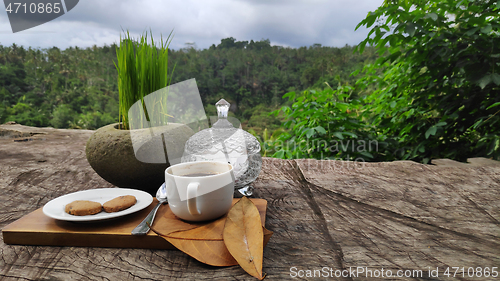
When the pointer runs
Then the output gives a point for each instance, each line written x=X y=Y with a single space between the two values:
x=83 y=208
x=119 y=203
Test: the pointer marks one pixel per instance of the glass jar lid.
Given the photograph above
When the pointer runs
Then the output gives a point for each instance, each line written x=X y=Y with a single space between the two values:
x=222 y=137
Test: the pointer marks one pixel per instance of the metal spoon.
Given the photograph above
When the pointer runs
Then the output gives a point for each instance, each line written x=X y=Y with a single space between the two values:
x=143 y=228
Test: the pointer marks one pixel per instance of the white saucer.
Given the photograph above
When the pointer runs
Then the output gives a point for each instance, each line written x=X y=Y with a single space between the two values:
x=55 y=207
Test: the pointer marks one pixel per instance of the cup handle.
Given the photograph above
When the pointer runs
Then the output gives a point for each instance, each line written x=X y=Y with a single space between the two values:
x=192 y=191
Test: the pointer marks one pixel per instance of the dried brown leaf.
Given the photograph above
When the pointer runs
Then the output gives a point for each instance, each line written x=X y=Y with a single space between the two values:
x=267 y=235
x=244 y=236
x=201 y=240
x=204 y=243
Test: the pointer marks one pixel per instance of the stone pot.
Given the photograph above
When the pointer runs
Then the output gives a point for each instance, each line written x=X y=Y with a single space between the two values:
x=136 y=158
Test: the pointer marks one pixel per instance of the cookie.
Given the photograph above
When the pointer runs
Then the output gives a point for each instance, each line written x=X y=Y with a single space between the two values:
x=119 y=203
x=83 y=208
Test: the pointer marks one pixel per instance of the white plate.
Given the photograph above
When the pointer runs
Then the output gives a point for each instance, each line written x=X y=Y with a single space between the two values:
x=55 y=207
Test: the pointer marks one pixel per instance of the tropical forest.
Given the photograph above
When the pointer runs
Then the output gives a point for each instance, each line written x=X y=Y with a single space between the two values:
x=424 y=84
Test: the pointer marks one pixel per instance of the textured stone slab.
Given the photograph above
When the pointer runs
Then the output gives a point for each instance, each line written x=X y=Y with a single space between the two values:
x=396 y=215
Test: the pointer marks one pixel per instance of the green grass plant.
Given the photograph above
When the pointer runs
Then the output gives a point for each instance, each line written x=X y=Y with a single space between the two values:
x=142 y=69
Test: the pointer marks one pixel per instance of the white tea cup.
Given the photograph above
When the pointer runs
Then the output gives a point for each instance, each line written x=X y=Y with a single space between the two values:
x=200 y=191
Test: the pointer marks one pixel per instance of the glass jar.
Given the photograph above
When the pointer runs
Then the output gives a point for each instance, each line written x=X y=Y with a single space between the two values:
x=225 y=143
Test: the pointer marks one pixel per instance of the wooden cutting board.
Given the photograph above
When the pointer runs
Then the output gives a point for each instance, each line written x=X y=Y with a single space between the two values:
x=38 y=229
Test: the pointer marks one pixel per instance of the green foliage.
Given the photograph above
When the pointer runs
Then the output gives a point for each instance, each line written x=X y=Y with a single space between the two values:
x=253 y=76
x=12 y=80
x=92 y=120
x=432 y=93
x=325 y=124
x=267 y=141
x=428 y=88
x=259 y=119
x=248 y=74
x=25 y=114
x=63 y=116
x=142 y=69
x=36 y=83
x=439 y=81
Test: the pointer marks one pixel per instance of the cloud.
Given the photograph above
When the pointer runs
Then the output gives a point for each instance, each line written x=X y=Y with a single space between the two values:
x=291 y=23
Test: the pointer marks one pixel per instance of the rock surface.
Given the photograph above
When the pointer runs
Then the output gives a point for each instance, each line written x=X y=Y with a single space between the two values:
x=324 y=214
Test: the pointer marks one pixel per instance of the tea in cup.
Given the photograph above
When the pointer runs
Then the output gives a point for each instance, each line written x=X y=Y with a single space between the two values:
x=200 y=191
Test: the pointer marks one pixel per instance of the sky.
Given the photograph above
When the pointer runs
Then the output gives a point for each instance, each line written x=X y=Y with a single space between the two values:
x=288 y=23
